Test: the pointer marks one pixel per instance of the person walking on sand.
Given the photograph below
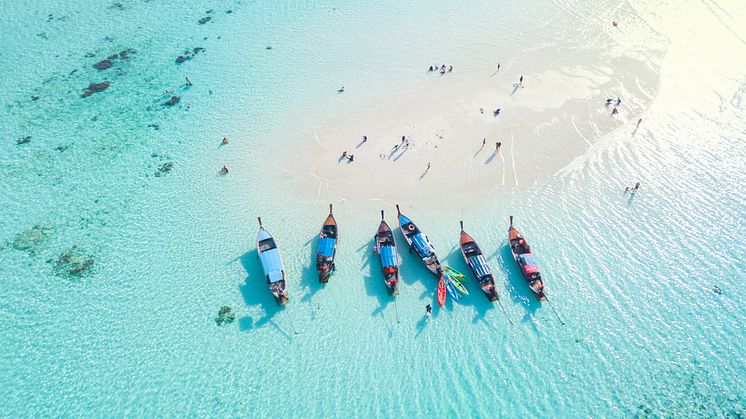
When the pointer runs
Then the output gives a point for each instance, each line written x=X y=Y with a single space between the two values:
x=365 y=138
x=637 y=186
x=341 y=90
x=403 y=138
x=614 y=111
x=520 y=81
x=484 y=142
x=497 y=146
x=626 y=190
x=639 y=121
x=496 y=112
x=450 y=68
x=618 y=101
x=428 y=167
x=608 y=101
x=225 y=140
x=498 y=66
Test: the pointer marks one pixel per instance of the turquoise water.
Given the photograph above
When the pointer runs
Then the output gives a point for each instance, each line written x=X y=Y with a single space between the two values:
x=133 y=333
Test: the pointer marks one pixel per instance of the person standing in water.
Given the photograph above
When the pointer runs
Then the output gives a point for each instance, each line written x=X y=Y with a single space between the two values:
x=498 y=66
x=484 y=142
x=188 y=83
x=520 y=81
x=637 y=186
x=428 y=310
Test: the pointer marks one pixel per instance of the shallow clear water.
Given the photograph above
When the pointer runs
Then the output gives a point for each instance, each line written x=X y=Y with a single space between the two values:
x=633 y=279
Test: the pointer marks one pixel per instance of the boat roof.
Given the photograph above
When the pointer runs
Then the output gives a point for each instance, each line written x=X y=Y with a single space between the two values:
x=272 y=264
x=389 y=257
x=480 y=265
x=326 y=246
x=528 y=258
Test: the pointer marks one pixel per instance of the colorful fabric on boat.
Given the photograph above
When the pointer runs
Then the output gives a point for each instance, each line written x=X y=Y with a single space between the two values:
x=326 y=246
x=480 y=265
x=388 y=256
x=421 y=246
x=530 y=269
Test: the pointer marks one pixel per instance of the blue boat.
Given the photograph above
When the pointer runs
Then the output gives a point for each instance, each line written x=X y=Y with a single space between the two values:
x=274 y=270
x=386 y=249
x=327 y=248
x=478 y=264
x=420 y=244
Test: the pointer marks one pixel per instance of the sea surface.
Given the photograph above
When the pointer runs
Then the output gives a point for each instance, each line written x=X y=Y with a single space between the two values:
x=120 y=241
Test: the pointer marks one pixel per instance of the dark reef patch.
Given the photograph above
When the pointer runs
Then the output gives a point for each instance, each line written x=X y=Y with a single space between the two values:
x=164 y=168
x=29 y=241
x=225 y=316
x=73 y=265
x=95 y=88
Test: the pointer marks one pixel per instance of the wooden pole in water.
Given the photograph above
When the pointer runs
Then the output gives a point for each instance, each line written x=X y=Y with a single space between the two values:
x=260 y=221
x=462 y=225
x=511 y=221
x=330 y=209
x=382 y=217
x=397 y=209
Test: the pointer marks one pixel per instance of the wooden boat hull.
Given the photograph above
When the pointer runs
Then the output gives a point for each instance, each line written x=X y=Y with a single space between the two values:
x=522 y=255
x=387 y=255
x=327 y=248
x=419 y=243
x=474 y=258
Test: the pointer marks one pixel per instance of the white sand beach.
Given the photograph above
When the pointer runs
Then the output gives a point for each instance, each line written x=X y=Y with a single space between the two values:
x=556 y=115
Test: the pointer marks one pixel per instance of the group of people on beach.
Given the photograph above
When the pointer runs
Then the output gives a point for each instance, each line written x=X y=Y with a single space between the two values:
x=618 y=102
x=441 y=69
x=632 y=189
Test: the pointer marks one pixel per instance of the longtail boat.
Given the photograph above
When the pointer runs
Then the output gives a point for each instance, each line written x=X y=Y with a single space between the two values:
x=478 y=264
x=274 y=271
x=526 y=262
x=327 y=248
x=420 y=244
x=386 y=249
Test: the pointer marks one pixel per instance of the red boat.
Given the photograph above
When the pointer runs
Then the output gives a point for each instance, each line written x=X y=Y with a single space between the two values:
x=526 y=262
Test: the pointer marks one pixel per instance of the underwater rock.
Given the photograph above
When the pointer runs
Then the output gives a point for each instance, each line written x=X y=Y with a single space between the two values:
x=24 y=140
x=173 y=101
x=180 y=59
x=164 y=168
x=34 y=98
x=228 y=12
x=205 y=20
x=29 y=240
x=225 y=316
x=61 y=148
x=103 y=65
x=197 y=50
x=72 y=265
x=96 y=87
x=269 y=48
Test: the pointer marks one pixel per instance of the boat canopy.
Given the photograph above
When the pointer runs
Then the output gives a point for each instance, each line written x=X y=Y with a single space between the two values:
x=388 y=256
x=530 y=269
x=271 y=264
x=326 y=246
x=421 y=245
x=480 y=266
x=527 y=259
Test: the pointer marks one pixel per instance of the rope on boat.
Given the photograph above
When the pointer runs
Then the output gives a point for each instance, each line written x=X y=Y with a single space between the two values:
x=504 y=312
x=555 y=311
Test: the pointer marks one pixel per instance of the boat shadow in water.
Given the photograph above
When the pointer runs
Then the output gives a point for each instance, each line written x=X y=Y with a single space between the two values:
x=373 y=280
x=515 y=284
x=256 y=294
x=476 y=298
x=309 y=280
